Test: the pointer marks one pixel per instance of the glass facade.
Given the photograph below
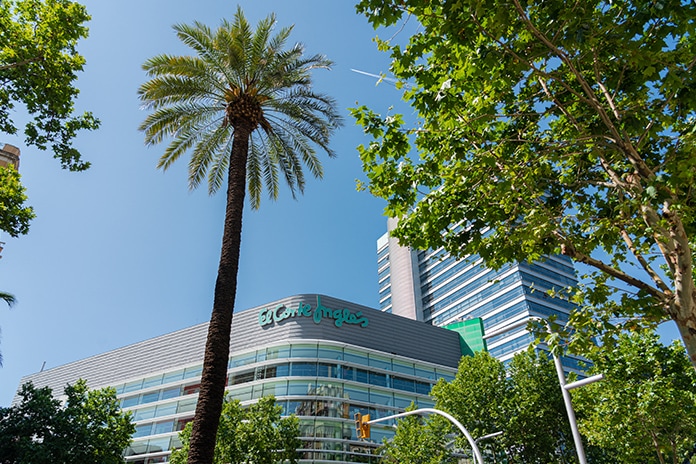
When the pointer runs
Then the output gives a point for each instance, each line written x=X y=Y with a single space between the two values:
x=324 y=383
x=453 y=290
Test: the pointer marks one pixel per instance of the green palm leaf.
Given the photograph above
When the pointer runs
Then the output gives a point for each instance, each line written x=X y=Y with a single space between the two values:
x=244 y=108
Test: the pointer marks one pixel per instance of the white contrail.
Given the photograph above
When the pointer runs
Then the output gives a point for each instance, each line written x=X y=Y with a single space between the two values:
x=377 y=76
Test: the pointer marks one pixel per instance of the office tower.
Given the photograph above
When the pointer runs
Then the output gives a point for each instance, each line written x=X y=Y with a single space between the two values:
x=9 y=154
x=433 y=287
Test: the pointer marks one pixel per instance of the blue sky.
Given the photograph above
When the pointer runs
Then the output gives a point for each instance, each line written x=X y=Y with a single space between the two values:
x=124 y=252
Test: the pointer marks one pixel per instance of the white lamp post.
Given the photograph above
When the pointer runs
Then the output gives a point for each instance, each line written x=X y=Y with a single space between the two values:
x=472 y=442
x=565 y=388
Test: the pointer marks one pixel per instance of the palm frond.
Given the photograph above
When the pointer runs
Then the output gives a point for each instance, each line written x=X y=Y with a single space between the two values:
x=210 y=150
x=8 y=298
x=219 y=165
x=190 y=95
x=255 y=172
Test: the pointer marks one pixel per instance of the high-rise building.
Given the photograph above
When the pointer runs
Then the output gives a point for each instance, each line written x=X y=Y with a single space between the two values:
x=9 y=154
x=322 y=358
x=438 y=289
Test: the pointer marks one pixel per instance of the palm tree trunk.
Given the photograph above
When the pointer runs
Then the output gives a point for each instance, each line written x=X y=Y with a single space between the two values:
x=217 y=347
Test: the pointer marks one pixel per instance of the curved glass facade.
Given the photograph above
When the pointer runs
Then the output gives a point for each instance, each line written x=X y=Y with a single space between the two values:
x=448 y=289
x=322 y=358
x=324 y=383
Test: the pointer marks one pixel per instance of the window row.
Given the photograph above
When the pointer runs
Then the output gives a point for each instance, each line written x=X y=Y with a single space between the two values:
x=476 y=293
x=157 y=428
x=511 y=346
x=165 y=409
x=334 y=353
x=384 y=273
x=440 y=273
x=486 y=308
x=383 y=305
x=384 y=291
x=565 y=282
x=294 y=350
x=383 y=253
x=565 y=266
x=152 y=460
x=160 y=379
x=335 y=371
x=315 y=388
x=159 y=395
x=283 y=388
x=295 y=369
x=153 y=445
x=459 y=291
x=333 y=435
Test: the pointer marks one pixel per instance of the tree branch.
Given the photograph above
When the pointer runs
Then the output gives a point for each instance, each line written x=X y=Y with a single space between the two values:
x=622 y=140
x=643 y=262
x=569 y=250
x=604 y=90
x=7 y=66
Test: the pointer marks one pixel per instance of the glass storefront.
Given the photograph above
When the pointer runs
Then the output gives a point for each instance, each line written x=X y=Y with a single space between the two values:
x=324 y=384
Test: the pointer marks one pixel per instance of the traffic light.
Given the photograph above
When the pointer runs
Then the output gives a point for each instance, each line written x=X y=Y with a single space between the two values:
x=362 y=428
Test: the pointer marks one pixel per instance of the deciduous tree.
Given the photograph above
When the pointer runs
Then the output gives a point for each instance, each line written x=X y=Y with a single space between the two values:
x=256 y=434
x=419 y=440
x=645 y=407
x=39 y=63
x=14 y=214
x=524 y=403
x=88 y=428
x=548 y=126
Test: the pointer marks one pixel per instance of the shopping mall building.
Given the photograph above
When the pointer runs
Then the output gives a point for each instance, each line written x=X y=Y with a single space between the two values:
x=322 y=358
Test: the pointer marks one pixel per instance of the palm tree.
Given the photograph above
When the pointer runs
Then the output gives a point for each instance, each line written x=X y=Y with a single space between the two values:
x=10 y=300
x=243 y=106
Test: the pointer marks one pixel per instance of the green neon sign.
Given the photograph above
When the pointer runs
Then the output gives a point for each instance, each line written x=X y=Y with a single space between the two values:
x=320 y=312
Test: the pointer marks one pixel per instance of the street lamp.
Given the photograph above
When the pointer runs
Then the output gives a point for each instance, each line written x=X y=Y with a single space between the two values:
x=472 y=442
x=565 y=387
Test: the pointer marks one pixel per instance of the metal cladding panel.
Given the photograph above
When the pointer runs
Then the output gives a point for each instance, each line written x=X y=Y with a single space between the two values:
x=405 y=285
x=166 y=352
x=384 y=332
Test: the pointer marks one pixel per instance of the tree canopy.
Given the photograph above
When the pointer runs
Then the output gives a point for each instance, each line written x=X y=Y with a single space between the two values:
x=524 y=403
x=255 y=434
x=419 y=440
x=546 y=127
x=14 y=214
x=38 y=68
x=645 y=407
x=88 y=428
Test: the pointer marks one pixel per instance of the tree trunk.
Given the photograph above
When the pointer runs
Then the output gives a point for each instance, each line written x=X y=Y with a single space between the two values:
x=687 y=330
x=656 y=444
x=217 y=347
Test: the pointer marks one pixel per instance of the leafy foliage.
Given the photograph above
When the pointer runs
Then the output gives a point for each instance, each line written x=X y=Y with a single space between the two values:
x=38 y=68
x=549 y=127
x=88 y=428
x=419 y=441
x=645 y=408
x=524 y=403
x=14 y=215
x=256 y=434
x=10 y=300
x=240 y=78
x=7 y=298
